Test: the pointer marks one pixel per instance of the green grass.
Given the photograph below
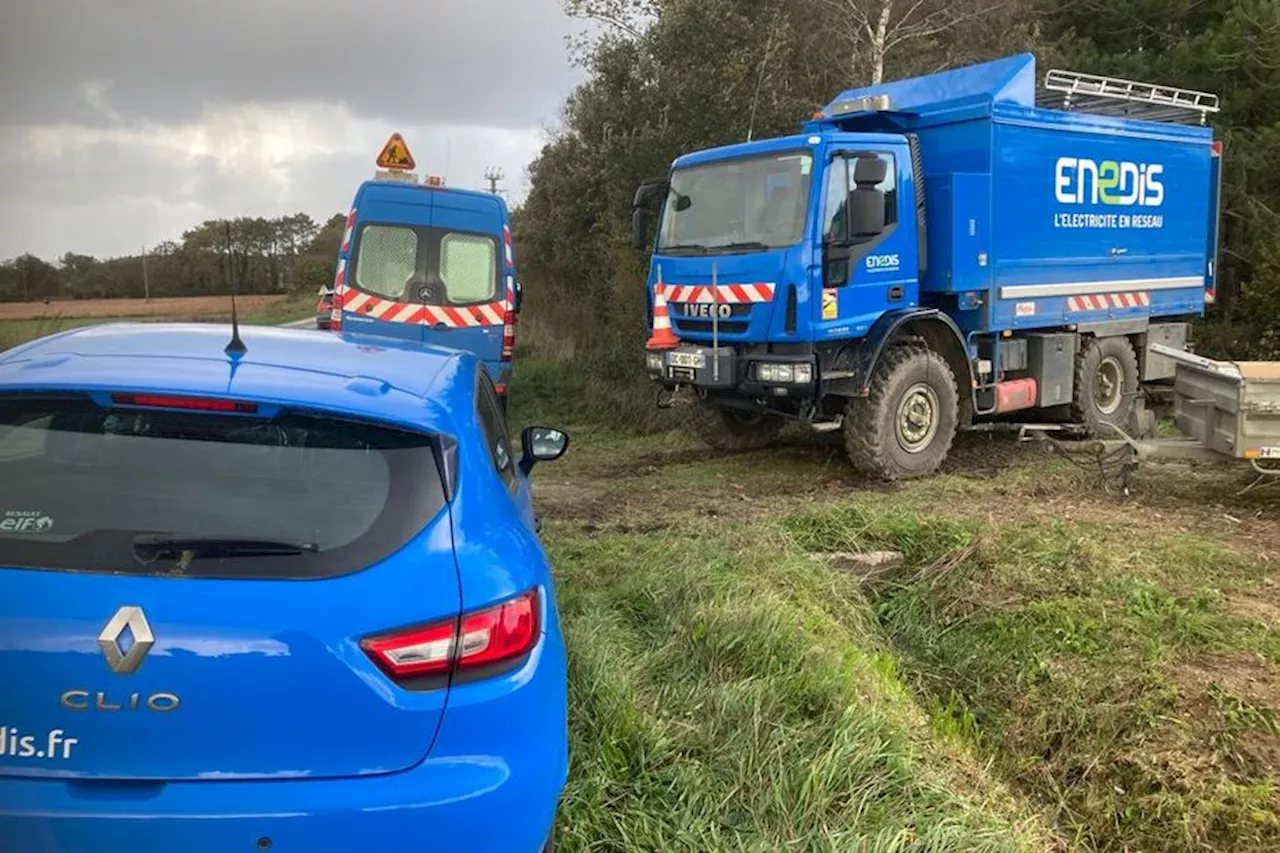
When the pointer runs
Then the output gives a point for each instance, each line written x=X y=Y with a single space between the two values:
x=1094 y=671
x=726 y=694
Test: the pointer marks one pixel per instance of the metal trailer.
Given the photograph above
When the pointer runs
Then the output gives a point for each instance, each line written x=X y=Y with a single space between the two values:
x=1225 y=410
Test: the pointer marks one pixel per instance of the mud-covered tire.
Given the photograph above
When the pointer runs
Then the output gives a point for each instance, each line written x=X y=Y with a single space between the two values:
x=1106 y=385
x=731 y=429
x=905 y=426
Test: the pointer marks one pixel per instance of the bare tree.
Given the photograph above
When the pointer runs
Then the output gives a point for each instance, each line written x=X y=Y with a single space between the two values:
x=874 y=28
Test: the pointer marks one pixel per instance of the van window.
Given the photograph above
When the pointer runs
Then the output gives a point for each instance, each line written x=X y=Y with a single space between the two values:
x=386 y=261
x=83 y=483
x=468 y=265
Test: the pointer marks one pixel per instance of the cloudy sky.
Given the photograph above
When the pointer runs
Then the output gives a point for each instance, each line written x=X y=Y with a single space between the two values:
x=124 y=122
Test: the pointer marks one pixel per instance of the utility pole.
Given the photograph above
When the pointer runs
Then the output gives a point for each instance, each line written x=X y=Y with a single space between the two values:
x=146 y=283
x=493 y=174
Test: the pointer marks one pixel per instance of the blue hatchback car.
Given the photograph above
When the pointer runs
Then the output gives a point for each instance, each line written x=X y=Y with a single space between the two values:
x=289 y=599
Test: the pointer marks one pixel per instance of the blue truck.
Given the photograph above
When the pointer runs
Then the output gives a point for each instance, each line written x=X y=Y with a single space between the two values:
x=423 y=262
x=957 y=251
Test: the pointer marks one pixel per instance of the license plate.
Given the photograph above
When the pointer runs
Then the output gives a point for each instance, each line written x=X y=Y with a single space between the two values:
x=687 y=359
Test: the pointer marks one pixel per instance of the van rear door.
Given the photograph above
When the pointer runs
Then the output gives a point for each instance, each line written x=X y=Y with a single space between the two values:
x=467 y=309
x=388 y=252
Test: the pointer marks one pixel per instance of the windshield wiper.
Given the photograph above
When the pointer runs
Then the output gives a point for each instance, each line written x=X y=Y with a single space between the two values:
x=746 y=246
x=155 y=546
x=691 y=248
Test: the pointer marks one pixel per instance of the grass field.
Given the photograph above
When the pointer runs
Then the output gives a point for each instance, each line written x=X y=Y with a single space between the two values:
x=21 y=322
x=1051 y=667
x=193 y=306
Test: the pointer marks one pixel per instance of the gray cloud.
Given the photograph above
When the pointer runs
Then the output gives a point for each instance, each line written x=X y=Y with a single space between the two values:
x=124 y=122
x=493 y=62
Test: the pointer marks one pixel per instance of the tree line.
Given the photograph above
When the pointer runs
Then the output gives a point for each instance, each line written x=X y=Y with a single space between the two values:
x=664 y=77
x=288 y=254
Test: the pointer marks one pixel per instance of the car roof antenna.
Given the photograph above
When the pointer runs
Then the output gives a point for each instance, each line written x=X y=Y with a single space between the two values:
x=236 y=347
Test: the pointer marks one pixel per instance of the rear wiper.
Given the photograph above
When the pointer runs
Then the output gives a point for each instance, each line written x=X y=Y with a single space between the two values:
x=692 y=248
x=186 y=548
x=748 y=246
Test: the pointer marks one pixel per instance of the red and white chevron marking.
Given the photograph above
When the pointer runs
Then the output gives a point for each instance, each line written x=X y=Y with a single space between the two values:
x=351 y=227
x=1140 y=299
x=506 y=244
x=451 y=316
x=724 y=294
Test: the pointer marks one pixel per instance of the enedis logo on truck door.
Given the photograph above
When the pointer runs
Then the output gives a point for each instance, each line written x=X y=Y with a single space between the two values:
x=1080 y=181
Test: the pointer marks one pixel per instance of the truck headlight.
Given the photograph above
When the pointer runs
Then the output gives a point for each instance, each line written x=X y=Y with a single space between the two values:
x=654 y=361
x=784 y=374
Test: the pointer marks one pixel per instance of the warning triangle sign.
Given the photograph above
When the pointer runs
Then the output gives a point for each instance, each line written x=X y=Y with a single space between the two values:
x=395 y=154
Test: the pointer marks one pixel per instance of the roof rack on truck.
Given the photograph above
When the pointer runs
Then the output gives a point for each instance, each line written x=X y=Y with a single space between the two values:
x=1115 y=96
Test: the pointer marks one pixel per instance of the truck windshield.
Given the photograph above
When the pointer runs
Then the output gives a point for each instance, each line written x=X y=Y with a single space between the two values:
x=743 y=205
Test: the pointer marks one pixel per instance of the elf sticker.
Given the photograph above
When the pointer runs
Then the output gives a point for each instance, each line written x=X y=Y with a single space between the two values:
x=830 y=304
x=25 y=521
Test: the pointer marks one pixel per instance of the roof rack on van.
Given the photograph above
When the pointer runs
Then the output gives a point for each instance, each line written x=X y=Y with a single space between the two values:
x=1115 y=96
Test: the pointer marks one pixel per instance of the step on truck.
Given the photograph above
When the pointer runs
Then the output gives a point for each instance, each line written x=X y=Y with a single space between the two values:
x=965 y=250
x=424 y=262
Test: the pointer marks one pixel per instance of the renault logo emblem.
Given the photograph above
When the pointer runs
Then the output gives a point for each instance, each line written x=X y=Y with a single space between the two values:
x=126 y=640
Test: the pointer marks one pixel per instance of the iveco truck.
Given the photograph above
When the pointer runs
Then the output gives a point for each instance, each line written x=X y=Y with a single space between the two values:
x=976 y=246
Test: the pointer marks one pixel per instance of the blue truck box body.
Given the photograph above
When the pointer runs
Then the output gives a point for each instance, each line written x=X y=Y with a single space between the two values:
x=1042 y=217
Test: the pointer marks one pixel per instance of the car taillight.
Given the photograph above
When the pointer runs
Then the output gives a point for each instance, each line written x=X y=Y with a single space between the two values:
x=492 y=636
x=199 y=404
x=509 y=335
x=335 y=315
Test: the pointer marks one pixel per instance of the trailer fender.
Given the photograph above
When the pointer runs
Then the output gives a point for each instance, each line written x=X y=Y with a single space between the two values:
x=926 y=326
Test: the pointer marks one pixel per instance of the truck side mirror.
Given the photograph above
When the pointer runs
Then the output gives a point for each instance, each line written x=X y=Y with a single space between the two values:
x=519 y=297
x=639 y=228
x=640 y=214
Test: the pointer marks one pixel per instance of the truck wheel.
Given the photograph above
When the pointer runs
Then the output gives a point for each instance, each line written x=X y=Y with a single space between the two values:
x=1106 y=384
x=905 y=426
x=732 y=429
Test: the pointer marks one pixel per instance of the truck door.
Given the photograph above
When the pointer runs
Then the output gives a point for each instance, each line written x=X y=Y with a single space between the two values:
x=870 y=263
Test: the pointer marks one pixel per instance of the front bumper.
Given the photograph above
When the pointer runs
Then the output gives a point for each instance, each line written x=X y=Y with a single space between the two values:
x=728 y=370
x=492 y=783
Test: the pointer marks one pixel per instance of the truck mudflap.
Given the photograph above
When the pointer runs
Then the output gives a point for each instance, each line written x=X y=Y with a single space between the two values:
x=851 y=373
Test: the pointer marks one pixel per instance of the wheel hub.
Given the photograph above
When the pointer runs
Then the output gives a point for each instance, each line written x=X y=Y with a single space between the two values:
x=1108 y=386
x=917 y=418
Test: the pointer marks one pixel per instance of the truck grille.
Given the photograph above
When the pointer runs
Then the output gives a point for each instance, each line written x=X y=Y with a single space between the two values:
x=705 y=327
x=687 y=317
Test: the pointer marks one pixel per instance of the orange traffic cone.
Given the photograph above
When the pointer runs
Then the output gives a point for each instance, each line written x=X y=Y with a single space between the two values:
x=662 y=338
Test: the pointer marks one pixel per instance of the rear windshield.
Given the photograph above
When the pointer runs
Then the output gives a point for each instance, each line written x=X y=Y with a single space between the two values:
x=84 y=484
x=430 y=265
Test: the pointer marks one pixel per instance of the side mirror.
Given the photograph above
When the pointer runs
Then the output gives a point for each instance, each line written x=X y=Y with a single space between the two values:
x=639 y=228
x=640 y=214
x=541 y=444
x=519 y=297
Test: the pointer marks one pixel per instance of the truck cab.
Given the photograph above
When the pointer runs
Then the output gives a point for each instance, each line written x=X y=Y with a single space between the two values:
x=430 y=264
x=972 y=247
